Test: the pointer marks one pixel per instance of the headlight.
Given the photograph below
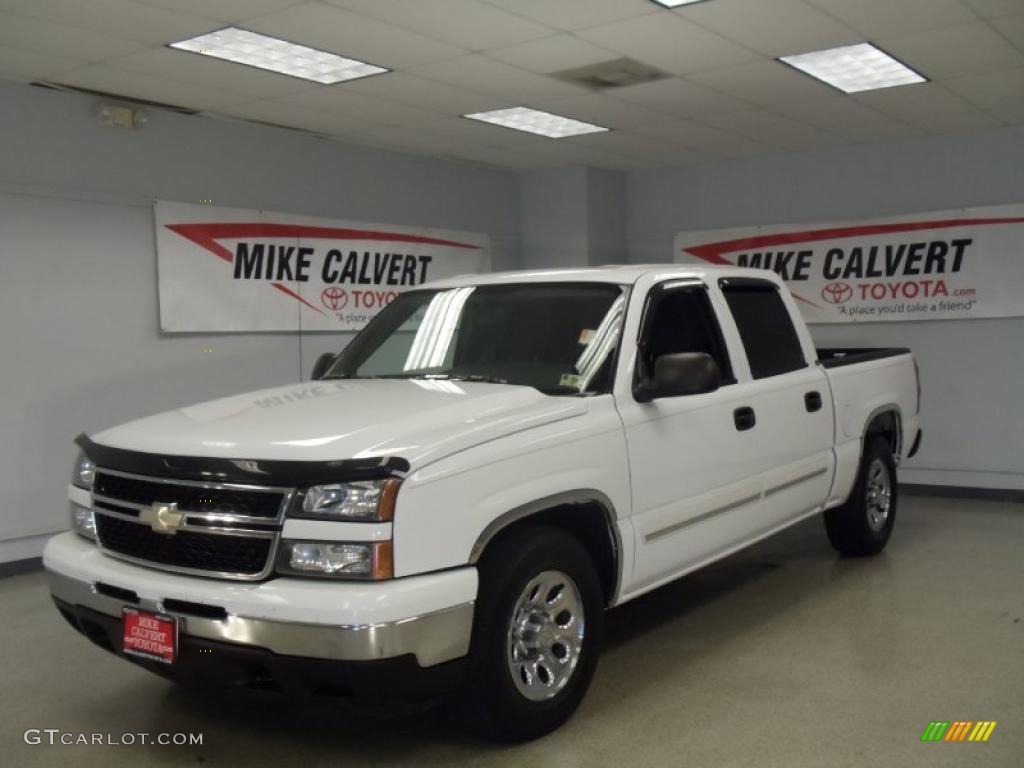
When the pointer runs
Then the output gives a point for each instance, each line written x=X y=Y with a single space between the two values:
x=362 y=560
x=362 y=500
x=82 y=521
x=84 y=472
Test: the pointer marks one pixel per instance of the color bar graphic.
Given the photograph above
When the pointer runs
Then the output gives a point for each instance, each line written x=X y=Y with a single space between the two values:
x=958 y=730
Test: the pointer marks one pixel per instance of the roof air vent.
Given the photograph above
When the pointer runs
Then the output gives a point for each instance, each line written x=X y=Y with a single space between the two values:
x=610 y=74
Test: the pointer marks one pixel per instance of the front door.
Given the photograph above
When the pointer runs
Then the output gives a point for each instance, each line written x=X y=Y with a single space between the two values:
x=694 y=472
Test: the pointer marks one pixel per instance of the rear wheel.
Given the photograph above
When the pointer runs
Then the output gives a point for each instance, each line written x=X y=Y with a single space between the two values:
x=863 y=524
x=536 y=636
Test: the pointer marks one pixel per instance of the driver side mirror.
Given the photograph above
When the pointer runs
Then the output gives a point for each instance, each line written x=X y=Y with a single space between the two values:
x=325 y=361
x=677 y=374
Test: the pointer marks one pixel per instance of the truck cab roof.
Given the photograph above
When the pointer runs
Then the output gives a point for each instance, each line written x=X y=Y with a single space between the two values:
x=620 y=274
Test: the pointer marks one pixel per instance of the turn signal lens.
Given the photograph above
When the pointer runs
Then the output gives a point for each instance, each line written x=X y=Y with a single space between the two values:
x=82 y=521
x=362 y=560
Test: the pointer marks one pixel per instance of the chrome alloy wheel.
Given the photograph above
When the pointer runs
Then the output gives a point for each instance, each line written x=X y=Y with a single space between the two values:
x=545 y=635
x=879 y=495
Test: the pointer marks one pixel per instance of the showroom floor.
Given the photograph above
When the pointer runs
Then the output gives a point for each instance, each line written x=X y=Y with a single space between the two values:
x=782 y=655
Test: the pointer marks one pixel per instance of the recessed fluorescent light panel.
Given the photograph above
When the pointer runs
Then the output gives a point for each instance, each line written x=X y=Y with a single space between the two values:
x=256 y=50
x=535 y=121
x=676 y=3
x=855 y=68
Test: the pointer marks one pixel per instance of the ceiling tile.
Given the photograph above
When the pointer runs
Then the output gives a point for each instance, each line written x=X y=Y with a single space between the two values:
x=19 y=64
x=689 y=134
x=564 y=150
x=878 y=131
x=411 y=140
x=887 y=18
x=351 y=34
x=991 y=90
x=775 y=28
x=760 y=125
x=679 y=97
x=829 y=111
x=469 y=24
x=955 y=51
x=577 y=14
x=670 y=43
x=118 y=18
x=186 y=67
x=1010 y=115
x=292 y=116
x=457 y=129
x=743 y=147
x=479 y=73
x=601 y=110
x=916 y=103
x=140 y=85
x=627 y=164
x=222 y=10
x=619 y=143
x=553 y=54
x=956 y=122
x=344 y=101
x=682 y=157
x=763 y=82
x=426 y=94
x=995 y=9
x=1012 y=27
x=805 y=142
x=47 y=37
x=500 y=157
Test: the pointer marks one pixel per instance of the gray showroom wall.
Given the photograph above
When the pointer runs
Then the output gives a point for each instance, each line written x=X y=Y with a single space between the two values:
x=971 y=370
x=573 y=217
x=80 y=343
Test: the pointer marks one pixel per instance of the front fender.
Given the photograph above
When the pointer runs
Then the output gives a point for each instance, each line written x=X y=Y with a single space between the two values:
x=445 y=511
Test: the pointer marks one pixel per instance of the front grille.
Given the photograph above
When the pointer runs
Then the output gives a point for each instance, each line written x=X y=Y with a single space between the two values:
x=226 y=531
x=240 y=555
x=194 y=498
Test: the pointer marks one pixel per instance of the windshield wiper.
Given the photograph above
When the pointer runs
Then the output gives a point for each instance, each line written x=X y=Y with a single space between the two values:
x=462 y=377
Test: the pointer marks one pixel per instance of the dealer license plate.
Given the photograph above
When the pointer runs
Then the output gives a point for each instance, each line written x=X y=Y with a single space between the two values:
x=149 y=635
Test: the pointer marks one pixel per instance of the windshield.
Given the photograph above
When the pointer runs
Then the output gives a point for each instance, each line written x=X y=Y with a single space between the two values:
x=557 y=337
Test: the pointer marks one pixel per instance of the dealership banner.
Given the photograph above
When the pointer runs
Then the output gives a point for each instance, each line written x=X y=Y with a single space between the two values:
x=946 y=265
x=228 y=269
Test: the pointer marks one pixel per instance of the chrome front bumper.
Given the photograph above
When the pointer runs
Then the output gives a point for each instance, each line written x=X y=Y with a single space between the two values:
x=433 y=636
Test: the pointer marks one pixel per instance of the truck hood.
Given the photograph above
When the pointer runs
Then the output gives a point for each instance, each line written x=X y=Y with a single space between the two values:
x=419 y=420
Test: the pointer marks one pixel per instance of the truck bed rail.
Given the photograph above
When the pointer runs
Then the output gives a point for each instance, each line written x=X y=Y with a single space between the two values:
x=836 y=357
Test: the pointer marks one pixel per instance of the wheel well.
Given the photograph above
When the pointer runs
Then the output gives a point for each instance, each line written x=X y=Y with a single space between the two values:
x=887 y=425
x=590 y=523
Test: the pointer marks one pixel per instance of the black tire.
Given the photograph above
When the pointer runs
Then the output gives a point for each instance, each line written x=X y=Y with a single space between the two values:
x=494 y=701
x=859 y=527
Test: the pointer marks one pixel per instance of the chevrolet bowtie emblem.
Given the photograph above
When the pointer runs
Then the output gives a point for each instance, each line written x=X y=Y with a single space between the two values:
x=162 y=518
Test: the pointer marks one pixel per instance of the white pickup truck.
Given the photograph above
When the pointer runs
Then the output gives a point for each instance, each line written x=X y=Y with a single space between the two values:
x=454 y=500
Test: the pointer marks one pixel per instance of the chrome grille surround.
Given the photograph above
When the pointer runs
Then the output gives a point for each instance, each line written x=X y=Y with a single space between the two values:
x=202 y=522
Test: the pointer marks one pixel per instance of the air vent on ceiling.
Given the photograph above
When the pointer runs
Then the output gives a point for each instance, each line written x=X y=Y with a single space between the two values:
x=610 y=74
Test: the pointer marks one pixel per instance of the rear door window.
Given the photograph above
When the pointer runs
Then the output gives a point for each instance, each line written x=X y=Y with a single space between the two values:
x=766 y=329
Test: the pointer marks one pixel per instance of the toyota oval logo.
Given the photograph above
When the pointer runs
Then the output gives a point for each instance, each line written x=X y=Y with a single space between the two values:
x=334 y=298
x=837 y=293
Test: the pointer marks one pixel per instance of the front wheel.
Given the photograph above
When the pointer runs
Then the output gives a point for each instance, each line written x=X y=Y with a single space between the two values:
x=862 y=526
x=536 y=636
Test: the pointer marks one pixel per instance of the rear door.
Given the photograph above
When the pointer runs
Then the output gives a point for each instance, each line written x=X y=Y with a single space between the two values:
x=788 y=396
